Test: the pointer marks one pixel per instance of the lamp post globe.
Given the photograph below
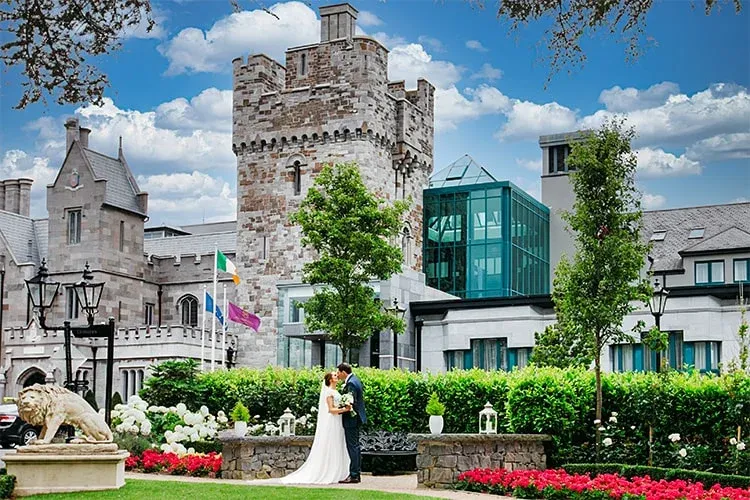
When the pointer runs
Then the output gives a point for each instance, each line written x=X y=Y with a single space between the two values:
x=42 y=291
x=88 y=294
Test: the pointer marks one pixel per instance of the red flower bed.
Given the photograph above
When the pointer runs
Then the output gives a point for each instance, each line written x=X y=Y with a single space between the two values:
x=169 y=463
x=559 y=485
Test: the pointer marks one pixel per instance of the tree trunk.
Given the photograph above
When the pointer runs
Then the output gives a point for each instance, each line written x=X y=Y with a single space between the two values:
x=598 y=374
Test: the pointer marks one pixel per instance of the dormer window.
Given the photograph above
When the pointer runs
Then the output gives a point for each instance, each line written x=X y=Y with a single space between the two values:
x=696 y=233
x=658 y=236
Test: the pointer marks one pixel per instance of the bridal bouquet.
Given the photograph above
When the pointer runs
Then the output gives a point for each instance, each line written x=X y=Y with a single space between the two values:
x=348 y=400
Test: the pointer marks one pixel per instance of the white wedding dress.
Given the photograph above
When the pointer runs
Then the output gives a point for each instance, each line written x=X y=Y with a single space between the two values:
x=328 y=461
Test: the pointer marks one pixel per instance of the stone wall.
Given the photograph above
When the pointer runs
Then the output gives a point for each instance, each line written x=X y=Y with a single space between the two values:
x=442 y=457
x=262 y=457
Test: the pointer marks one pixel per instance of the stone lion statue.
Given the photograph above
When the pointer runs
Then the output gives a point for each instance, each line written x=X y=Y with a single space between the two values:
x=51 y=406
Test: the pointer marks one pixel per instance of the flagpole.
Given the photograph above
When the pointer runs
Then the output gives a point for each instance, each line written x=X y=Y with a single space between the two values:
x=213 y=316
x=224 y=331
x=203 y=331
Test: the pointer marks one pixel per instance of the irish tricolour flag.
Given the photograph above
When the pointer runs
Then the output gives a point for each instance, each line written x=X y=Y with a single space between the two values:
x=224 y=264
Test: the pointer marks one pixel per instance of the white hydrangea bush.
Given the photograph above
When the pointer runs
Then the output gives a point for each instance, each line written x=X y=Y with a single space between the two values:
x=137 y=418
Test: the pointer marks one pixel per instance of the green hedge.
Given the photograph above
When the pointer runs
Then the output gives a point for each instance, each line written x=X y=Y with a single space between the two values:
x=7 y=483
x=657 y=473
x=704 y=409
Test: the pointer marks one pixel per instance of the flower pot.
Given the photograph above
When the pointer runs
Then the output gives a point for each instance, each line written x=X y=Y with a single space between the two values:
x=436 y=424
x=240 y=428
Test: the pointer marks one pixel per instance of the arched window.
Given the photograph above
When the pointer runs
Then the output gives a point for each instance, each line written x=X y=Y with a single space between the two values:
x=406 y=245
x=297 y=178
x=188 y=306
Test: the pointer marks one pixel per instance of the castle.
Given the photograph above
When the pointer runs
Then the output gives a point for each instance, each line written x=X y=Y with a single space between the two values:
x=478 y=256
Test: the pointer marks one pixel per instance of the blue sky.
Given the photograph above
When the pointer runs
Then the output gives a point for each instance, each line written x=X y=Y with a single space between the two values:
x=170 y=98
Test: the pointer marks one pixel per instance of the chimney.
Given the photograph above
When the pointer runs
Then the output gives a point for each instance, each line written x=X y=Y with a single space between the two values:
x=337 y=21
x=11 y=195
x=71 y=132
x=24 y=196
x=84 y=136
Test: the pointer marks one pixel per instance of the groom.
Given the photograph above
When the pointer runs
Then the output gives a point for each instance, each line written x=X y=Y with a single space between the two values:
x=353 y=386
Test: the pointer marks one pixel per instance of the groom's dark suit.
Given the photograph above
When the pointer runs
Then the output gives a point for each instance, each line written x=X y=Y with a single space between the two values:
x=353 y=386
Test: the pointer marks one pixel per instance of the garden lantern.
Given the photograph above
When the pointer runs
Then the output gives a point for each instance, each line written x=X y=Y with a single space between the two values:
x=287 y=423
x=488 y=420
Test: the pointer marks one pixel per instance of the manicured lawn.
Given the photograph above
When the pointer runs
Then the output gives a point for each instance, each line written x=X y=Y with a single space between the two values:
x=155 y=490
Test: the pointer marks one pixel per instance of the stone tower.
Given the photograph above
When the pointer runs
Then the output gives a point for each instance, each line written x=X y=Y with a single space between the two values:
x=332 y=102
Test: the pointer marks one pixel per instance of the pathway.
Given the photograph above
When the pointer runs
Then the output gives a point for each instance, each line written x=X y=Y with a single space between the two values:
x=391 y=484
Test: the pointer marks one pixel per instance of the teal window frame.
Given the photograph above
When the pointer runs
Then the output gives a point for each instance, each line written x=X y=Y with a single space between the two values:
x=747 y=270
x=711 y=280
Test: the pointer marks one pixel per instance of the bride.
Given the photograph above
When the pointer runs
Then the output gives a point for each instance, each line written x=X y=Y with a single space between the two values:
x=328 y=461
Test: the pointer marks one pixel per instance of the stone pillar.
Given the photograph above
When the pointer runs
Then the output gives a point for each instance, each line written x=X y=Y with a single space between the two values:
x=83 y=134
x=337 y=21
x=24 y=196
x=72 y=132
x=441 y=458
x=11 y=195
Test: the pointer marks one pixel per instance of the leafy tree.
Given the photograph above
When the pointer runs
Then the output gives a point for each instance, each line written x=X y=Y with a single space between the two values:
x=594 y=292
x=570 y=20
x=52 y=42
x=561 y=348
x=349 y=229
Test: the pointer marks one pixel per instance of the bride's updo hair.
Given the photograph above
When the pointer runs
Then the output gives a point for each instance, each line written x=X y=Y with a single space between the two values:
x=327 y=378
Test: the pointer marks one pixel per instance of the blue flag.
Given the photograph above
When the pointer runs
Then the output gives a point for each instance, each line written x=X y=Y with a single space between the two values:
x=210 y=306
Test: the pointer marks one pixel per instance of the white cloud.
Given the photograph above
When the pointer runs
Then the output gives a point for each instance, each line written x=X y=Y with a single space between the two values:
x=658 y=163
x=410 y=62
x=487 y=73
x=389 y=41
x=453 y=107
x=193 y=196
x=209 y=110
x=528 y=120
x=433 y=43
x=741 y=199
x=682 y=119
x=720 y=148
x=366 y=18
x=240 y=34
x=532 y=187
x=534 y=165
x=619 y=100
x=475 y=45
x=652 y=201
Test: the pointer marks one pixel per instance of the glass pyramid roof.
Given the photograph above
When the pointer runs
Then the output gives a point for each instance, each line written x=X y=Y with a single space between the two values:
x=462 y=172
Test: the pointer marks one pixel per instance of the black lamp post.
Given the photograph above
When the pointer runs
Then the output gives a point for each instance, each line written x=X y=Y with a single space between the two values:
x=400 y=311
x=43 y=291
x=657 y=304
x=231 y=353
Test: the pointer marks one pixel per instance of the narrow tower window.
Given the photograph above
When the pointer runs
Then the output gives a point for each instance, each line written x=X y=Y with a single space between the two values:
x=297 y=178
x=122 y=235
x=303 y=64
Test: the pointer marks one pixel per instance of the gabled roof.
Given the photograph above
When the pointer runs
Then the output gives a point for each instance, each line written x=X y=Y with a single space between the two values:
x=678 y=222
x=462 y=172
x=198 y=244
x=23 y=236
x=122 y=189
x=730 y=239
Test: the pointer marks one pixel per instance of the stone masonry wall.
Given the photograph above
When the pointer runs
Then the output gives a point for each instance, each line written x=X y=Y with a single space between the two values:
x=262 y=457
x=335 y=106
x=442 y=457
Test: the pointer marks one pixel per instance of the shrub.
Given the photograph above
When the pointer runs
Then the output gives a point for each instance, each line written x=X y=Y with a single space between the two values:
x=434 y=406
x=134 y=443
x=240 y=413
x=658 y=473
x=705 y=409
x=7 y=483
x=174 y=382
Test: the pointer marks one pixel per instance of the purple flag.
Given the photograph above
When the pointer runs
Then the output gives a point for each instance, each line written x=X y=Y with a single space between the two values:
x=238 y=315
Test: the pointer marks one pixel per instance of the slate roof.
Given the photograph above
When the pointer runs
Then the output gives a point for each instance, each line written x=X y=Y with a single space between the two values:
x=22 y=236
x=122 y=189
x=194 y=244
x=724 y=226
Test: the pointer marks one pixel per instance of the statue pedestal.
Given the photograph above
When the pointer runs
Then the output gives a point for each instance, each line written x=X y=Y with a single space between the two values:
x=59 y=468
